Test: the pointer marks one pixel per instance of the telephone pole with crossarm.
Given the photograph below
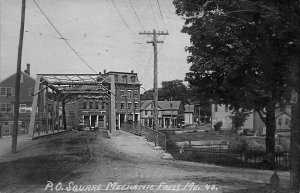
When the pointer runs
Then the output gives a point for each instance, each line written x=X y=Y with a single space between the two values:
x=154 y=42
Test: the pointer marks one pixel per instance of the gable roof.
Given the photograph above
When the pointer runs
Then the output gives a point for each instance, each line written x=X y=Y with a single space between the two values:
x=10 y=81
x=163 y=105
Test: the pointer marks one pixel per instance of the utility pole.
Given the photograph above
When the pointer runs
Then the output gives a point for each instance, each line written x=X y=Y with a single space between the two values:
x=154 y=42
x=17 y=83
x=295 y=144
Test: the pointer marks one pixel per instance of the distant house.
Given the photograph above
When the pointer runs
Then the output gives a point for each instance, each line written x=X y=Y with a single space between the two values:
x=170 y=113
x=223 y=114
x=282 y=115
x=7 y=99
x=189 y=114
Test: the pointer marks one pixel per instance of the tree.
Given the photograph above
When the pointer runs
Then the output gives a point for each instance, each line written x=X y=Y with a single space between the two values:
x=170 y=90
x=243 y=53
x=174 y=90
x=239 y=116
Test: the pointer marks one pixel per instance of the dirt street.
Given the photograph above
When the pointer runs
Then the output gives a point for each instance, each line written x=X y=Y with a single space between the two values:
x=93 y=162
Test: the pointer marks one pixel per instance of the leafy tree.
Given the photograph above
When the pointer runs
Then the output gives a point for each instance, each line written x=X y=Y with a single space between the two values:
x=239 y=116
x=170 y=90
x=243 y=53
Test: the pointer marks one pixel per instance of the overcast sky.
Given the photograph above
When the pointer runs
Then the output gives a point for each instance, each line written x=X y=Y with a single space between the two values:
x=99 y=35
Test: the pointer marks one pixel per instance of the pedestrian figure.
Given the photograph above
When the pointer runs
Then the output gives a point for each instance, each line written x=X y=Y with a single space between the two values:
x=274 y=182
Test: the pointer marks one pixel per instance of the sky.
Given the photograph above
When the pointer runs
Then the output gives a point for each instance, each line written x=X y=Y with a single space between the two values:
x=104 y=35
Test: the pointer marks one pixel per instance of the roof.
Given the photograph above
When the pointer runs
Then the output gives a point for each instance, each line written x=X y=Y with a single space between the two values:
x=163 y=105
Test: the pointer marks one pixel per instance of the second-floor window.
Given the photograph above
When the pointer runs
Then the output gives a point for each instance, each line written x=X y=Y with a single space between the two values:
x=122 y=106
x=135 y=93
x=6 y=108
x=136 y=105
x=129 y=93
x=91 y=104
x=103 y=105
x=129 y=105
x=122 y=93
x=7 y=91
x=146 y=112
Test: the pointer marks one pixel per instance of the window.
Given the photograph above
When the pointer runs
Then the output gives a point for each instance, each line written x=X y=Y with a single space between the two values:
x=91 y=104
x=151 y=105
x=151 y=112
x=287 y=121
x=216 y=108
x=279 y=121
x=116 y=77
x=2 y=91
x=22 y=108
x=226 y=108
x=129 y=93
x=84 y=104
x=9 y=108
x=124 y=78
x=10 y=91
x=136 y=105
x=122 y=93
x=129 y=105
x=103 y=105
x=3 y=107
x=132 y=78
x=146 y=112
x=136 y=93
x=122 y=106
x=96 y=105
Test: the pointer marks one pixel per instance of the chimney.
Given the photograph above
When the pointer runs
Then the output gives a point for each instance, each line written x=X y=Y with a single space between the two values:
x=132 y=71
x=27 y=71
x=104 y=71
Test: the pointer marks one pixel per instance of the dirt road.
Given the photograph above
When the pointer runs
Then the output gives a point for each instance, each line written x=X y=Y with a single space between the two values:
x=93 y=162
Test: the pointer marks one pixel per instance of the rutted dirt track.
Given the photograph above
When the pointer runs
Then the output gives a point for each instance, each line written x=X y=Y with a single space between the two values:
x=85 y=158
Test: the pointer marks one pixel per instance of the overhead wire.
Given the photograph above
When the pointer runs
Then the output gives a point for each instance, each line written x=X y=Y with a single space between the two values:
x=63 y=37
x=161 y=15
x=153 y=14
x=135 y=13
x=123 y=19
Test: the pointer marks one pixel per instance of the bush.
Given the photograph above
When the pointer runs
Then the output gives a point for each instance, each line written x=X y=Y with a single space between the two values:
x=218 y=125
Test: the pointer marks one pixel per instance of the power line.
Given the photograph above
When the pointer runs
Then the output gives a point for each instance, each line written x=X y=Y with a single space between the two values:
x=124 y=21
x=161 y=15
x=153 y=14
x=64 y=38
x=132 y=7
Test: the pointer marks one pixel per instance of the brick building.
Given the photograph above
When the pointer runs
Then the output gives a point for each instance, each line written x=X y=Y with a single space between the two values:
x=7 y=99
x=93 y=112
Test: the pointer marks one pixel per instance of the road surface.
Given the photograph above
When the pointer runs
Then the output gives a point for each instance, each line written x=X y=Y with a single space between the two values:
x=91 y=161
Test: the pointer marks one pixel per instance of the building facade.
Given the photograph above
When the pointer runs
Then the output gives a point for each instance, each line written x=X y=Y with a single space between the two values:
x=94 y=112
x=7 y=99
x=170 y=113
x=253 y=122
